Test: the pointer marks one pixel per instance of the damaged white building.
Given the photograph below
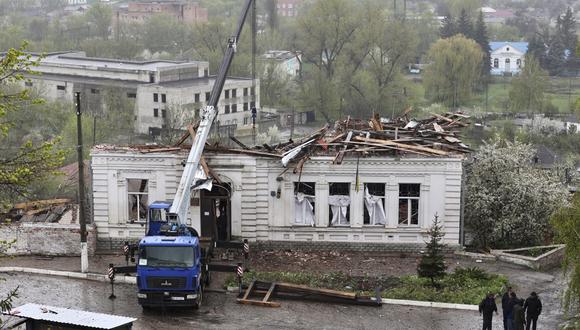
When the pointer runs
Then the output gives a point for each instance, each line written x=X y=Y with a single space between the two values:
x=329 y=192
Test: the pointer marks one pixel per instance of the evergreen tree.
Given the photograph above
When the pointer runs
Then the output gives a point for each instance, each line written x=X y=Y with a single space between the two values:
x=537 y=48
x=482 y=39
x=464 y=25
x=447 y=29
x=432 y=264
x=272 y=12
x=556 y=56
x=566 y=25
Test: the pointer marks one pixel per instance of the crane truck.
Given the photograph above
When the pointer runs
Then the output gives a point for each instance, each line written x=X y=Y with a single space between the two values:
x=174 y=262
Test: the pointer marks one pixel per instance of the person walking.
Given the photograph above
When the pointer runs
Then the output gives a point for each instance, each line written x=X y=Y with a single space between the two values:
x=504 y=306
x=533 y=308
x=487 y=307
x=509 y=310
x=518 y=313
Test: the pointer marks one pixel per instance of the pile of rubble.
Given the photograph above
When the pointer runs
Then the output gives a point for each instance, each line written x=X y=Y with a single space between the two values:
x=436 y=136
x=47 y=211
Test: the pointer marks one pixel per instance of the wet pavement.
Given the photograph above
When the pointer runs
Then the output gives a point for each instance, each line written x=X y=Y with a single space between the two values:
x=220 y=311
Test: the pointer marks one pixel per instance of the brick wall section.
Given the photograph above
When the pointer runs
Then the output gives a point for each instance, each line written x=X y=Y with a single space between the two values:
x=46 y=239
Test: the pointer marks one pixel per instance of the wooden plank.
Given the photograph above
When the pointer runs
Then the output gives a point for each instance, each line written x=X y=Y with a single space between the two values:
x=382 y=146
x=269 y=293
x=258 y=303
x=325 y=292
x=166 y=149
x=238 y=142
x=253 y=153
x=249 y=290
x=403 y=146
x=41 y=203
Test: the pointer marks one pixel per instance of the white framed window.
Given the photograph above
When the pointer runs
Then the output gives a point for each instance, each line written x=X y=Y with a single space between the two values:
x=304 y=203
x=409 y=194
x=374 y=201
x=138 y=199
x=339 y=203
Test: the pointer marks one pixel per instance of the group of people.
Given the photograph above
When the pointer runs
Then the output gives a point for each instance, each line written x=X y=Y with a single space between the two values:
x=517 y=313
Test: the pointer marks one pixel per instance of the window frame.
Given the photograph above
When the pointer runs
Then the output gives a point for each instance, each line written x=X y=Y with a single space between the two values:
x=348 y=211
x=155 y=97
x=138 y=200
x=409 y=201
x=366 y=215
x=298 y=188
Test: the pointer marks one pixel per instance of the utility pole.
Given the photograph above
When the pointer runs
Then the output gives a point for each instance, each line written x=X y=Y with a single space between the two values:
x=81 y=173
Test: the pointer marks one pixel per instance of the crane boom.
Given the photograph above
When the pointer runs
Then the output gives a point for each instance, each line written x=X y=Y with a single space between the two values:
x=178 y=210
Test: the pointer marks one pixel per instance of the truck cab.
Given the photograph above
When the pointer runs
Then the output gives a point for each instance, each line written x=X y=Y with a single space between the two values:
x=170 y=271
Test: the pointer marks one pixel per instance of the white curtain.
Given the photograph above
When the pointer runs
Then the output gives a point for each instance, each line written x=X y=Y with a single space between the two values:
x=374 y=205
x=303 y=210
x=339 y=207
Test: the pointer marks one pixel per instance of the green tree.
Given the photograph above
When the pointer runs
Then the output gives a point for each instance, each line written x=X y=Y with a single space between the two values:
x=447 y=29
x=528 y=88
x=567 y=224
x=480 y=36
x=509 y=202
x=22 y=165
x=432 y=263
x=455 y=68
x=566 y=26
x=464 y=25
x=100 y=16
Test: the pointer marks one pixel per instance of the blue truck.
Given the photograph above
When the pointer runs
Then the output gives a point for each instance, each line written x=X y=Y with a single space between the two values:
x=174 y=262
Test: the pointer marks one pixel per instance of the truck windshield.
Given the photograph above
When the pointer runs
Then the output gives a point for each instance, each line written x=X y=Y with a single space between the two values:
x=167 y=256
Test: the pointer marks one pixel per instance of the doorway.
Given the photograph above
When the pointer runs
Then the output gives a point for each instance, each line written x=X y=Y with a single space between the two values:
x=215 y=208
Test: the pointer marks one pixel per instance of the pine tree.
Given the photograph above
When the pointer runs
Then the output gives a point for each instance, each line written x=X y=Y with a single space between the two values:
x=464 y=25
x=556 y=57
x=482 y=39
x=447 y=29
x=432 y=264
x=566 y=25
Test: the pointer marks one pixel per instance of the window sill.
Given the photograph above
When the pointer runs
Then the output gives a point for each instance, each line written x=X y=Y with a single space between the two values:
x=302 y=225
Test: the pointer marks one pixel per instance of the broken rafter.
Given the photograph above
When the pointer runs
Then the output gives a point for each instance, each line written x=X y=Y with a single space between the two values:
x=403 y=146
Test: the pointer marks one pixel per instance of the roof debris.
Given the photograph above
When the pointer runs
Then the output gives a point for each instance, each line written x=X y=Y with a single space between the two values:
x=436 y=136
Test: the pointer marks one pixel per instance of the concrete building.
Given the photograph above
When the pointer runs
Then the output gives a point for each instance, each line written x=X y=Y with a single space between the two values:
x=259 y=200
x=150 y=87
x=288 y=8
x=183 y=11
x=507 y=57
x=284 y=61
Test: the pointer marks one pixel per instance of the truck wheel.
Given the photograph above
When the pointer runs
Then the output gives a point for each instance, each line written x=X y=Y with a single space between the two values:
x=199 y=300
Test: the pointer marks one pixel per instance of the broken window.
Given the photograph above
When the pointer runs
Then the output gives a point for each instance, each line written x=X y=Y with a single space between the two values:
x=138 y=198
x=304 y=203
x=339 y=203
x=409 y=203
x=374 y=210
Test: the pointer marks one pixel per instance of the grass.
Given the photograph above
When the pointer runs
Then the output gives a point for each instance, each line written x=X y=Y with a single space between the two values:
x=498 y=94
x=463 y=286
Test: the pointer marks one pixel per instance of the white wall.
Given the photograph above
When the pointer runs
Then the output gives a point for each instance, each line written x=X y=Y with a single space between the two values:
x=259 y=216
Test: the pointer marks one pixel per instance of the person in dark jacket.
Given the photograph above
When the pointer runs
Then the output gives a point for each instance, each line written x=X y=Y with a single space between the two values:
x=487 y=307
x=509 y=310
x=504 y=306
x=533 y=308
x=518 y=313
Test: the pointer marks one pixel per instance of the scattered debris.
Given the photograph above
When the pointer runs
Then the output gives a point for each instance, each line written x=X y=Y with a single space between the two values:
x=294 y=291
x=48 y=211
